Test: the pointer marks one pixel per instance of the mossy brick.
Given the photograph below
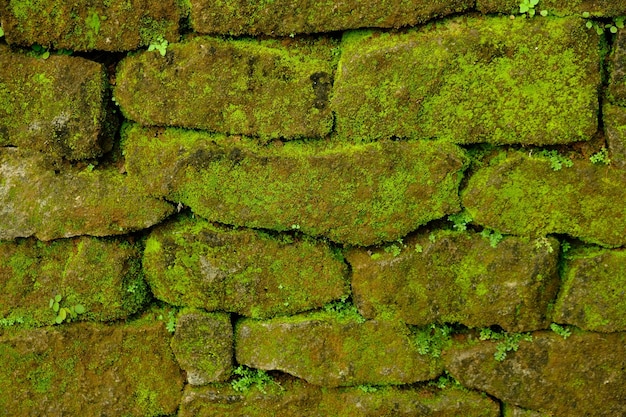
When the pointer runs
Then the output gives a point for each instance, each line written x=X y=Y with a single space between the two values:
x=295 y=398
x=470 y=80
x=88 y=369
x=357 y=194
x=332 y=349
x=244 y=17
x=198 y=264
x=523 y=195
x=593 y=293
x=54 y=105
x=597 y=8
x=50 y=202
x=583 y=375
x=616 y=91
x=614 y=118
x=85 y=25
x=102 y=275
x=458 y=277
x=203 y=346
x=266 y=88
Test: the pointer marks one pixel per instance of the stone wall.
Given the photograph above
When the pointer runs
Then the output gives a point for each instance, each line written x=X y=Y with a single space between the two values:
x=312 y=208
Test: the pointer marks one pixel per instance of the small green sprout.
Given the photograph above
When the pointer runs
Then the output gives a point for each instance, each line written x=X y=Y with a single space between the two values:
x=601 y=157
x=557 y=161
x=507 y=341
x=562 y=331
x=160 y=44
x=251 y=377
x=1 y=32
x=64 y=313
x=527 y=7
x=493 y=236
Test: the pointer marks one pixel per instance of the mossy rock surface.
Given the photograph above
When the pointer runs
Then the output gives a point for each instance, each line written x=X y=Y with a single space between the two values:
x=54 y=105
x=194 y=263
x=583 y=375
x=102 y=275
x=242 y=17
x=265 y=88
x=88 y=369
x=84 y=25
x=470 y=80
x=458 y=277
x=357 y=194
x=593 y=293
x=295 y=398
x=510 y=410
x=597 y=8
x=526 y=196
x=614 y=118
x=50 y=202
x=617 y=70
x=331 y=349
x=203 y=346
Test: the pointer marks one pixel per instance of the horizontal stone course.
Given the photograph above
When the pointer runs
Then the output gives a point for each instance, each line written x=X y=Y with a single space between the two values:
x=471 y=80
x=196 y=264
x=54 y=105
x=599 y=8
x=356 y=194
x=265 y=88
x=458 y=277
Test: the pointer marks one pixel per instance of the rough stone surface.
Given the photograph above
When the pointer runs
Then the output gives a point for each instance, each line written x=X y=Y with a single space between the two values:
x=523 y=195
x=458 y=277
x=593 y=293
x=332 y=350
x=599 y=8
x=614 y=118
x=90 y=370
x=203 y=346
x=298 y=399
x=617 y=70
x=357 y=194
x=82 y=25
x=194 y=263
x=56 y=105
x=38 y=199
x=513 y=411
x=266 y=88
x=308 y=16
x=104 y=276
x=471 y=80
x=583 y=375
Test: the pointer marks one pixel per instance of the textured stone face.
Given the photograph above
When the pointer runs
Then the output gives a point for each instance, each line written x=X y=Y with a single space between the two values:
x=604 y=8
x=259 y=88
x=194 y=263
x=524 y=196
x=593 y=293
x=203 y=346
x=326 y=350
x=468 y=80
x=615 y=129
x=308 y=16
x=91 y=370
x=582 y=375
x=56 y=105
x=298 y=399
x=458 y=278
x=82 y=25
x=617 y=71
x=104 y=276
x=38 y=200
x=357 y=194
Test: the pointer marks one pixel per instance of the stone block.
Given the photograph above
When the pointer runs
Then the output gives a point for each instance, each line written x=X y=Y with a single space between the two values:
x=597 y=8
x=614 y=118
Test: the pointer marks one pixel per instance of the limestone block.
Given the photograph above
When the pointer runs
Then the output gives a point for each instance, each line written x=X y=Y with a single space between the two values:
x=56 y=105
x=458 y=277
x=357 y=194
x=524 y=195
x=194 y=263
x=265 y=88
x=471 y=80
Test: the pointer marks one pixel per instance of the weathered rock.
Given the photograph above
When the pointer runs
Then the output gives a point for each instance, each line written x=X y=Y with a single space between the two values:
x=299 y=399
x=513 y=411
x=332 y=350
x=358 y=194
x=266 y=88
x=523 y=195
x=83 y=25
x=307 y=16
x=593 y=293
x=37 y=199
x=600 y=8
x=616 y=91
x=203 y=346
x=458 y=277
x=56 y=105
x=470 y=80
x=194 y=263
x=583 y=375
x=104 y=276
x=614 y=118
x=91 y=370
